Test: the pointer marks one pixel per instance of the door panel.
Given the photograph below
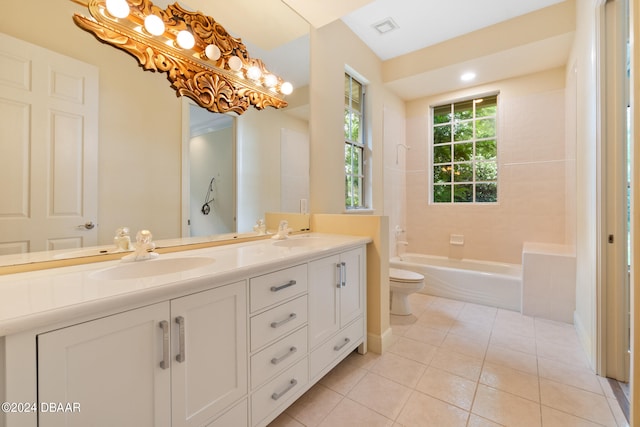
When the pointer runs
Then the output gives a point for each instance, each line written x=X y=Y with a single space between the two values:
x=48 y=141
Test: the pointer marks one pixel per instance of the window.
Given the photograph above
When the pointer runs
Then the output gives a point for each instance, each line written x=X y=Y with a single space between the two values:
x=353 y=142
x=465 y=165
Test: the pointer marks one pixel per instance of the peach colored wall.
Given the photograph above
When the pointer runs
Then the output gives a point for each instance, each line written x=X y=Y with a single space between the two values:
x=532 y=181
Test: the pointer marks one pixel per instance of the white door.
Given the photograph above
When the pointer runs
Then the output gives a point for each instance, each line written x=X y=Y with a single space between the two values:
x=209 y=340
x=48 y=149
x=324 y=317
x=110 y=368
x=352 y=293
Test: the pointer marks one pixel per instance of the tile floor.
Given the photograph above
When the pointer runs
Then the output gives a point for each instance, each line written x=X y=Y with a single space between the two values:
x=459 y=364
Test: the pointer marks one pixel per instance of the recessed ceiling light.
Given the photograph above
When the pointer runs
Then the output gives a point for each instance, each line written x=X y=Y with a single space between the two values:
x=467 y=77
x=385 y=26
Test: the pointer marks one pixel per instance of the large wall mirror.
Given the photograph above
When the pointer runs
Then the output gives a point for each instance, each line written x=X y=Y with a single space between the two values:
x=142 y=129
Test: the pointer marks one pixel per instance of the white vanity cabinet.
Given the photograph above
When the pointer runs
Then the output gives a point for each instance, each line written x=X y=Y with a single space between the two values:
x=336 y=309
x=231 y=346
x=178 y=363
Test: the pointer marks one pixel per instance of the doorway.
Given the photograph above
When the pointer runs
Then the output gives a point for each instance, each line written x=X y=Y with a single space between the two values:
x=208 y=172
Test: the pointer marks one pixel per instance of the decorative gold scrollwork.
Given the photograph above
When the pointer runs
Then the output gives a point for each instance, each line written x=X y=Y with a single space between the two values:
x=211 y=83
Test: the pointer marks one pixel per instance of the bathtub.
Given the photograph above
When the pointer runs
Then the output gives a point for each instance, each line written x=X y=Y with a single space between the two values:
x=482 y=282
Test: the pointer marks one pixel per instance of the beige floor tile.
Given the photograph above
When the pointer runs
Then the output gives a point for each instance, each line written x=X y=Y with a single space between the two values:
x=364 y=361
x=471 y=329
x=423 y=410
x=381 y=395
x=436 y=320
x=465 y=345
x=399 y=369
x=511 y=380
x=419 y=302
x=314 y=405
x=505 y=408
x=513 y=341
x=445 y=305
x=554 y=418
x=285 y=420
x=559 y=332
x=476 y=421
x=568 y=353
x=414 y=350
x=425 y=333
x=445 y=386
x=574 y=401
x=352 y=414
x=572 y=375
x=511 y=321
x=512 y=359
x=459 y=364
x=343 y=378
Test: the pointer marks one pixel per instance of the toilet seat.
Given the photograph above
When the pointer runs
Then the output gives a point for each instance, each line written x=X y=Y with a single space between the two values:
x=404 y=276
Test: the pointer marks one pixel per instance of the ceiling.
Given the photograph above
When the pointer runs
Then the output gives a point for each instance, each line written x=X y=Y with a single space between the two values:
x=509 y=38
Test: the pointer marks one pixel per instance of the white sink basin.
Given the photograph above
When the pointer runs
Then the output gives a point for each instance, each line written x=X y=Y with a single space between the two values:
x=149 y=268
x=303 y=242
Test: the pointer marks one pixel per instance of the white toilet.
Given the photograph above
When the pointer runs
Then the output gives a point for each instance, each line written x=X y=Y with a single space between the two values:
x=402 y=283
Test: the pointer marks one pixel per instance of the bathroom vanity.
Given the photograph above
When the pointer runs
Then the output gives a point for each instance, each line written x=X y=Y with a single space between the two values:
x=225 y=336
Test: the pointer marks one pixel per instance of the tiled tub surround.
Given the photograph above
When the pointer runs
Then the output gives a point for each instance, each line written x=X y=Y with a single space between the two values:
x=535 y=163
x=53 y=309
x=459 y=364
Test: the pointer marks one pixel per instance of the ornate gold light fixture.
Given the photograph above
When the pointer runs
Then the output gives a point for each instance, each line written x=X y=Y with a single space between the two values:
x=201 y=59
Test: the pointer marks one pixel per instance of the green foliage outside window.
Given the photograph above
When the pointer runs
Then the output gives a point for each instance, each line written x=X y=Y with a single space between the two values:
x=354 y=145
x=465 y=167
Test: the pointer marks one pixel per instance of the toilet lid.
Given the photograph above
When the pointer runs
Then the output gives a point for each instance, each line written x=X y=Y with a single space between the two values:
x=399 y=275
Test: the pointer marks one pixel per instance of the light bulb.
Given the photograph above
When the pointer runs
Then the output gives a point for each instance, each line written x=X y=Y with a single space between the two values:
x=212 y=51
x=270 y=80
x=118 y=8
x=286 y=88
x=185 y=39
x=235 y=63
x=254 y=72
x=154 y=25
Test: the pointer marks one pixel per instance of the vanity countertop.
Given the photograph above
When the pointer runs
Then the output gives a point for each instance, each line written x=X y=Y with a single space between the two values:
x=36 y=299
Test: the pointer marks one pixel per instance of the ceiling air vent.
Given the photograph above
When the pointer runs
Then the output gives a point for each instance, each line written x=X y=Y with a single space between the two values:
x=385 y=26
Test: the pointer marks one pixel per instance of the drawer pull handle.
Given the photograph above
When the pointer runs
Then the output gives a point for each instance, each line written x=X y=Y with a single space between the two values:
x=339 y=346
x=164 y=363
x=281 y=287
x=292 y=384
x=181 y=354
x=277 y=360
x=283 y=321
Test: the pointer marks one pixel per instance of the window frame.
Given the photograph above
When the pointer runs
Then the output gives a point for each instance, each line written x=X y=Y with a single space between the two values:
x=359 y=145
x=473 y=161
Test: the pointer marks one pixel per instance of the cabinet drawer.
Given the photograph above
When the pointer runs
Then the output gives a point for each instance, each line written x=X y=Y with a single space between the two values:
x=275 y=287
x=340 y=344
x=277 y=322
x=278 y=392
x=278 y=356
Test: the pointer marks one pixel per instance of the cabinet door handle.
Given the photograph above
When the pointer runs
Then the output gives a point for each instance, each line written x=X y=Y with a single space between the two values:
x=339 y=279
x=343 y=274
x=277 y=360
x=181 y=352
x=164 y=363
x=281 y=287
x=292 y=384
x=283 y=321
x=340 y=346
